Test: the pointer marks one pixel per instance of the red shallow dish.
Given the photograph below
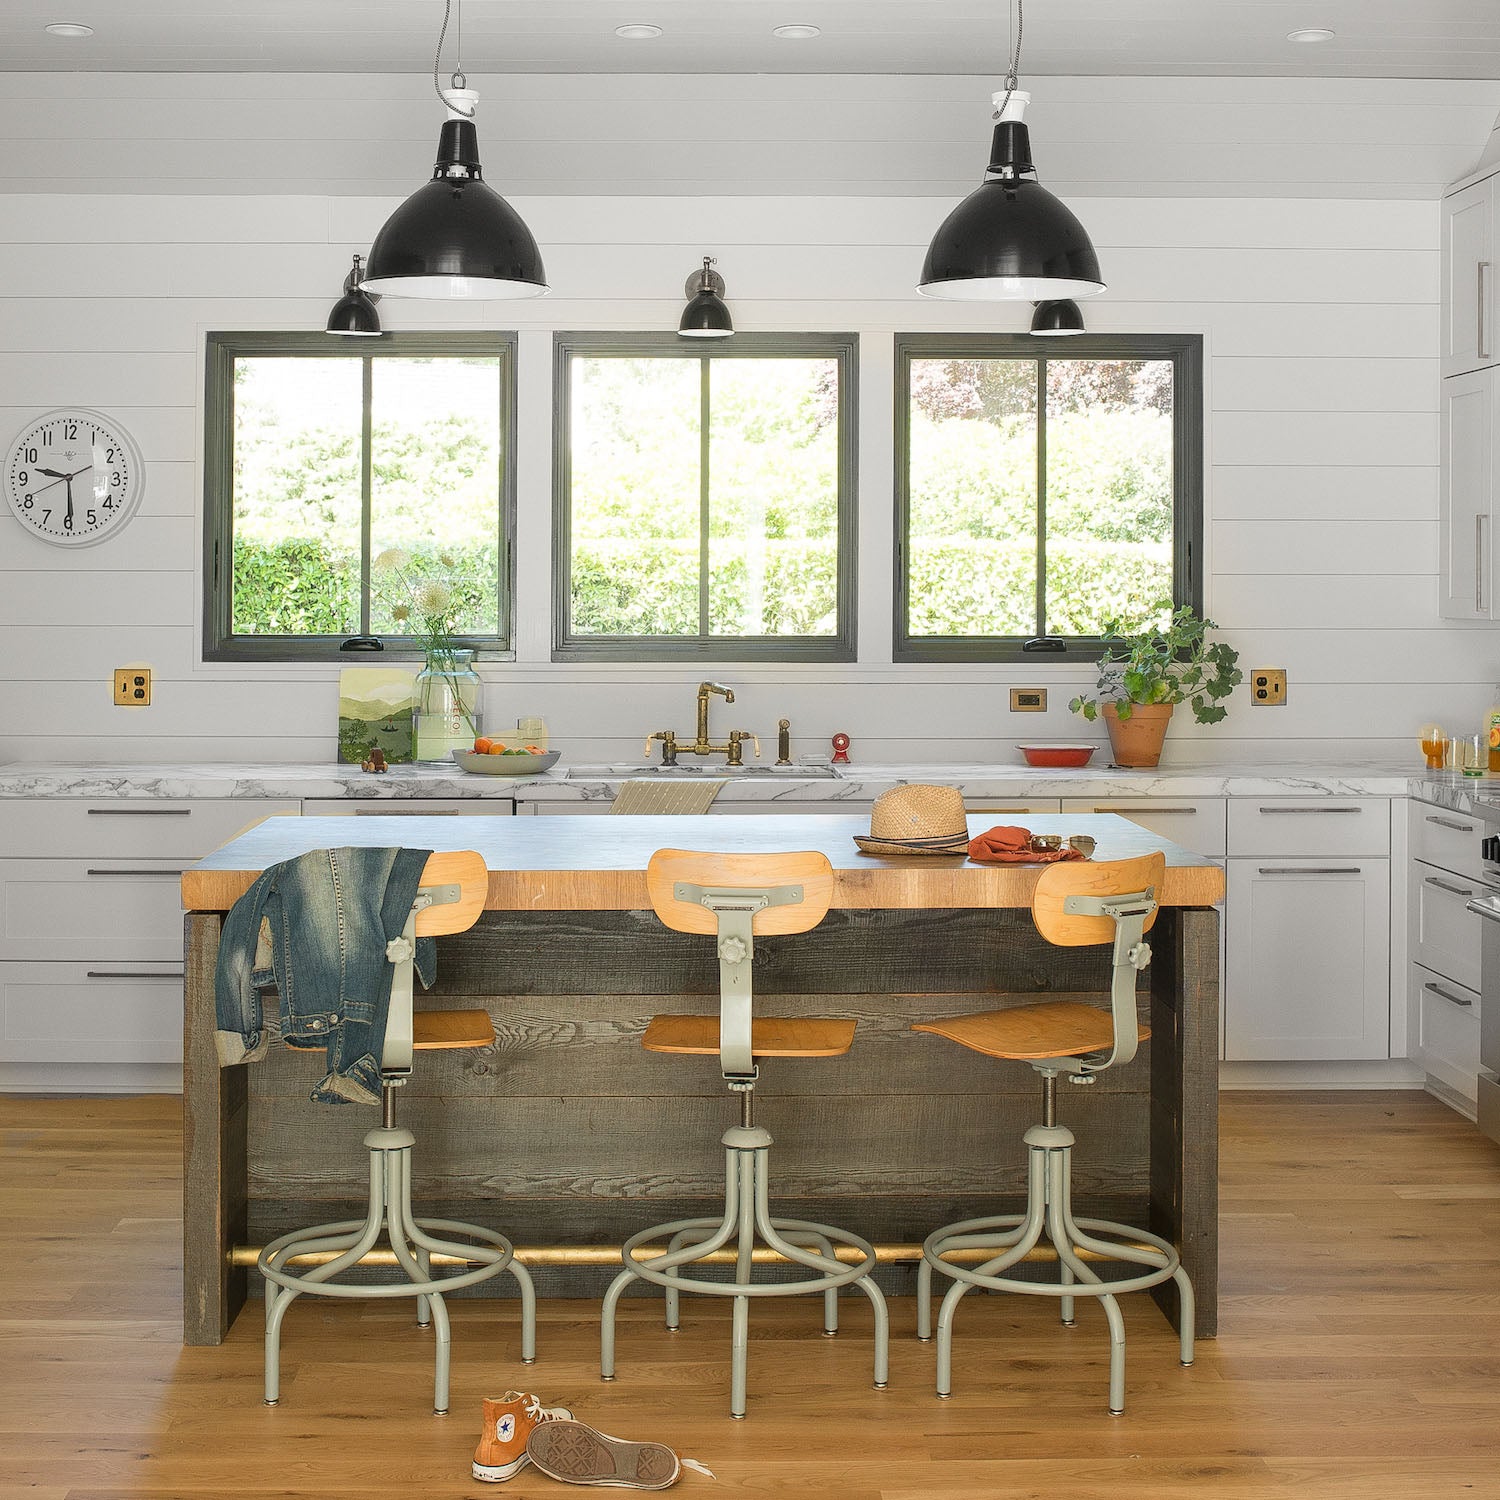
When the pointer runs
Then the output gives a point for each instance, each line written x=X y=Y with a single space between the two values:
x=1058 y=755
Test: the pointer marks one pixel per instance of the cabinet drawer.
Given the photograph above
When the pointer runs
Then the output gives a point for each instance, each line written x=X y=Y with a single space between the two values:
x=90 y=1013
x=60 y=827
x=1310 y=826
x=1447 y=935
x=1017 y=805
x=1197 y=823
x=94 y=909
x=409 y=807
x=1449 y=840
x=1448 y=1028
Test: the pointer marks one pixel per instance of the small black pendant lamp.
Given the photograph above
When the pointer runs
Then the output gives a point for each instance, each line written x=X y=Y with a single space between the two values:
x=1056 y=319
x=1010 y=239
x=705 y=316
x=455 y=236
x=354 y=314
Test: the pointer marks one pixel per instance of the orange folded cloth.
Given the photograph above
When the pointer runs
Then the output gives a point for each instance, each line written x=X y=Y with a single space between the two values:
x=1012 y=846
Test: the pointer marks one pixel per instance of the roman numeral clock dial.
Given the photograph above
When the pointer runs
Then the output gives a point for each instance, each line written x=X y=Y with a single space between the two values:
x=74 y=477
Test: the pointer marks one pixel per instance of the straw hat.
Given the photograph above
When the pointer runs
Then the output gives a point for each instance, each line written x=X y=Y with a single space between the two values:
x=917 y=819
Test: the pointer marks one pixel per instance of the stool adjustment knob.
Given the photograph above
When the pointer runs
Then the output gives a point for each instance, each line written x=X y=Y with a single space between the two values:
x=733 y=950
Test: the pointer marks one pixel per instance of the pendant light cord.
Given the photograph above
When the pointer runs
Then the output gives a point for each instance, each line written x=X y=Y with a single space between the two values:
x=1013 y=78
x=458 y=80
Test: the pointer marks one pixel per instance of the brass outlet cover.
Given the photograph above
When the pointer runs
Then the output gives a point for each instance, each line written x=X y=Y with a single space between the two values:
x=1268 y=686
x=1028 y=700
x=133 y=686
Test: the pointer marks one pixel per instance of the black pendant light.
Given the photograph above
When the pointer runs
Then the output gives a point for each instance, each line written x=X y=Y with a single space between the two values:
x=705 y=316
x=1057 y=319
x=1010 y=239
x=456 y=236
x=354 y=314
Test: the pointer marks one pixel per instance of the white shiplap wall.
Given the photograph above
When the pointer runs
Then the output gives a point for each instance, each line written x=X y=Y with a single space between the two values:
x=1319 y=309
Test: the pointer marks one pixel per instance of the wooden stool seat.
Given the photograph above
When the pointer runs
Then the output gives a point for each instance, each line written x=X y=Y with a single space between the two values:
x=436 y=1030
x=1056 y=1028
x=770 y=1036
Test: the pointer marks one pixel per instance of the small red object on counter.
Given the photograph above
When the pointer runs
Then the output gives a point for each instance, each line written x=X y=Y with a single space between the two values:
x=840 y=750
x=1012 y=846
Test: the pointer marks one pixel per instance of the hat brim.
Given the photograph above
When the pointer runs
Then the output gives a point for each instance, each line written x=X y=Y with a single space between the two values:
x=958 y=844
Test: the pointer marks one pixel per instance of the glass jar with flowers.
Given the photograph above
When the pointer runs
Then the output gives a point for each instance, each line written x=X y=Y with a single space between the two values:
x=447 y=688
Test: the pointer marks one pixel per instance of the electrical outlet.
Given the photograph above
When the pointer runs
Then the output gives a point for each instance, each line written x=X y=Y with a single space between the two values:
x=133 y=686
x=1268 y=686
x=1028 y=700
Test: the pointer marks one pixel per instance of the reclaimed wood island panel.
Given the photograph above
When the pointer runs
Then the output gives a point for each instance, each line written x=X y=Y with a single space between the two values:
x=569 y=1137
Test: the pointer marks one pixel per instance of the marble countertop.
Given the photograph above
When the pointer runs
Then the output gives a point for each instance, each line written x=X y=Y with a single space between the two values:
x=855 y=783
x=1475 y=796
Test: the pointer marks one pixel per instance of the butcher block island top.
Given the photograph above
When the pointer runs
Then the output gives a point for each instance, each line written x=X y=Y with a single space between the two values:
x=599 y=863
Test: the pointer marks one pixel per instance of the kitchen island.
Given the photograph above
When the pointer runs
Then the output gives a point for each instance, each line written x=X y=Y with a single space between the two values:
x=570 y=1136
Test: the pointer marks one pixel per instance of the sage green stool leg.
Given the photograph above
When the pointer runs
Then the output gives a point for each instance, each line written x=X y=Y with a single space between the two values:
x=745 y=1183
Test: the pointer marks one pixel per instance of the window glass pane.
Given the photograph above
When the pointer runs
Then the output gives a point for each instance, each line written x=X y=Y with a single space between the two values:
x=296 y=502
x=972 y=537
x=773 y=497
x=1109 y=492
x=435 y=492
x=635 y=496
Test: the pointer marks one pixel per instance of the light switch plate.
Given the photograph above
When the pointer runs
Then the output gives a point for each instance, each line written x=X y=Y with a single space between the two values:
x=133 y=686
x=1268 y=686
x=1028 y=700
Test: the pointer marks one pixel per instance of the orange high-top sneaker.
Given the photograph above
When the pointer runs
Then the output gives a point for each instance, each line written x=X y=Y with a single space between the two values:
x=508 y=1423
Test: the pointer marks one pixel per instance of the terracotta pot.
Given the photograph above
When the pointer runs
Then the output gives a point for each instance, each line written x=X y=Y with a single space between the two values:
x=1136 y=741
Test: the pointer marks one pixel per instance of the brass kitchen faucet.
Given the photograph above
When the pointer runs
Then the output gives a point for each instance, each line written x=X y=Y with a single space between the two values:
x=732 y=749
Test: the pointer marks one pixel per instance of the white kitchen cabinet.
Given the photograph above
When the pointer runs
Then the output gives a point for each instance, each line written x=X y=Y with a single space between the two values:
x=1196 y=823
x=409 y=807
x=1308 y=959
x=1447 y=1019
x=722 y=806
x=1466 y=496
x=1471 y=298
x=1013 y=806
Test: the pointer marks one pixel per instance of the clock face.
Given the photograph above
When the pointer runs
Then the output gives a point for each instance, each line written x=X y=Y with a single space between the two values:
x=74 y=477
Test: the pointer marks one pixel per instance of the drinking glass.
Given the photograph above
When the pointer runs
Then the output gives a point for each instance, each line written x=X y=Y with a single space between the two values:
x=531 y=729
x=1473 y=755
x=1434 y=745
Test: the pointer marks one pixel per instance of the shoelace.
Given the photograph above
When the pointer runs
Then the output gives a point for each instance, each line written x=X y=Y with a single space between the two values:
x=697 y=1468
x=539 y=1413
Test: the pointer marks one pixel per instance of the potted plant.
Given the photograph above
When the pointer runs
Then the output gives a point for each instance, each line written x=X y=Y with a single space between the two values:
x=1145 y=673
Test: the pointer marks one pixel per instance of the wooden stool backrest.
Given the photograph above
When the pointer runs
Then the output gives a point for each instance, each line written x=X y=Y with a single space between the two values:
x=463 y=868
x=1117 y=877
x=727 y=872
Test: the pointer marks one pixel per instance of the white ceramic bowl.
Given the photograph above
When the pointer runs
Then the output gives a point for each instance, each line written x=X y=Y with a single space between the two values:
x=505 y=765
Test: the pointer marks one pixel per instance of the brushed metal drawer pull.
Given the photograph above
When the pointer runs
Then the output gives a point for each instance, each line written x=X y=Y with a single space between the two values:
x=139 y=812
x=1444 y=995
x=1449 y=823
x=1191 y=811
x=131 y=974
x=1312 y=809
x=1311 y=870
x=173 y=873
x=1453 y=890
x=404 y=812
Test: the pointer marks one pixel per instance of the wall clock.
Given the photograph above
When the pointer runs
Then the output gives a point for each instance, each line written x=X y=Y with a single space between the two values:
x=74 y=477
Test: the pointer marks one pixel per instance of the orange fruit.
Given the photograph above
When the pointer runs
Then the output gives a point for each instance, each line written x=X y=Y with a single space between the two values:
x=495 y=748
x=482 y=746
x=533 y=750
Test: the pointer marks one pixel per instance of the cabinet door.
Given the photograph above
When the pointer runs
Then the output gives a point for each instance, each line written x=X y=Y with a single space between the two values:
x=1446 y=935
x=99 y=1012
x=1469 y=295
x=103 y=909
x=1196 y=823
x=1466 y=498
x=1018 y=805
x=1308 y=960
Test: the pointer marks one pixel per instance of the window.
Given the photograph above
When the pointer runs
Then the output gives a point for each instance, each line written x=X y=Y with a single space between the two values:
x=320 y=456
x=1045 y=487
x=705 y=499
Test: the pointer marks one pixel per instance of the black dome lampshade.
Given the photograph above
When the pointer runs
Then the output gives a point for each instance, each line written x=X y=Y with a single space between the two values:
x=1010 y=239
x=354 y=314
x=456 y=236
x=705 y=316
x=1057 y=319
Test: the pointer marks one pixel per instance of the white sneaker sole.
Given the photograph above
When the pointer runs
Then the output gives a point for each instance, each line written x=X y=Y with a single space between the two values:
x=575 y=1453
x=499 y=1473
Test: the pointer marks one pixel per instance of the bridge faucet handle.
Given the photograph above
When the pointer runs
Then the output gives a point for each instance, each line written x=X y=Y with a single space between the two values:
x=739 y=736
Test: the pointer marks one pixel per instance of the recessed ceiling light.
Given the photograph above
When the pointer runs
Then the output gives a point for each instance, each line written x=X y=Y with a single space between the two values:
x=1310 y=34
x=797 y=33
x=638 y=31
x=68 y=28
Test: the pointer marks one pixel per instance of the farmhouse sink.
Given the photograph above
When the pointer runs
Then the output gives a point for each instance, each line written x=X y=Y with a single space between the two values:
x=709 y=772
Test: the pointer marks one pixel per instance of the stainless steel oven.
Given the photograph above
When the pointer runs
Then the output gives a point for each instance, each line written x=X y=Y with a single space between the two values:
x=1488 y=907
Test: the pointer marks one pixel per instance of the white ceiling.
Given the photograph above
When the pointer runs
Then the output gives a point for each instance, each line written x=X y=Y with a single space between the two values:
x=1452 y=39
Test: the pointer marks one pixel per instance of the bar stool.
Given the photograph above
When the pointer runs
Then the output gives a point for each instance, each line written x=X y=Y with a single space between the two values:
x=735 y=897
x=1074 y=905
x=449 y=899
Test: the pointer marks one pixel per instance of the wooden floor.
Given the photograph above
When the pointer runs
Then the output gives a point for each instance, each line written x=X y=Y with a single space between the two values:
x=1359 y=1357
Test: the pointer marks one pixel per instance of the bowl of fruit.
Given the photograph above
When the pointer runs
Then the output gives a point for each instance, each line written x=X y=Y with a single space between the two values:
x=492 y=757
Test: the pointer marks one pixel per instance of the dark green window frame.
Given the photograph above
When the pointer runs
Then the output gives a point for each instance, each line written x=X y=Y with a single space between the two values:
x=839 y=646
x=1185 y=351
x=219 y=642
